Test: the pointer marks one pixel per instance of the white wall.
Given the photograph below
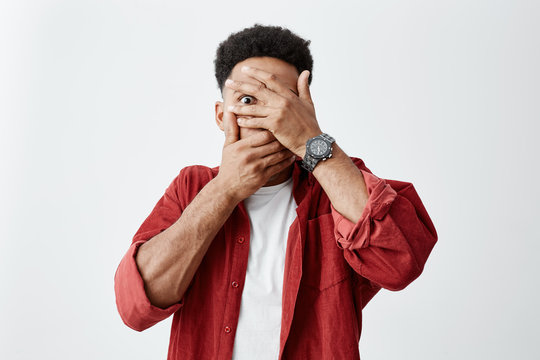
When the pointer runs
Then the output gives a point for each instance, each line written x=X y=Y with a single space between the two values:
x=103 y=102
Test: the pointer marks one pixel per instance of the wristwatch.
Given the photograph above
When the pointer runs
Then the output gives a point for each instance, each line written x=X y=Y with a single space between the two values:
x=317 y=148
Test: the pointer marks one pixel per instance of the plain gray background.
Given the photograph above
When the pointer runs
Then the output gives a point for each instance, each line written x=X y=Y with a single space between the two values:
x=103 y=102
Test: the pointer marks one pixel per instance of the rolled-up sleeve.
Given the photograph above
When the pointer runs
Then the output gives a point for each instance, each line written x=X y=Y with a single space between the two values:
x=390 y=243
x=132 y=302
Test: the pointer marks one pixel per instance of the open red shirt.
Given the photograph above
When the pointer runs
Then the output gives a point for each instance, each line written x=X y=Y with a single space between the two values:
x=333 y=267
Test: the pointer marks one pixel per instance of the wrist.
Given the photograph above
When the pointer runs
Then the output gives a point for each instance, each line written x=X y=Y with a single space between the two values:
x=222 y=188
x=301 y=150
x=339 y=159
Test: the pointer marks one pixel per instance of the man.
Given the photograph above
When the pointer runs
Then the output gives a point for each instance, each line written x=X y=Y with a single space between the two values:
x=274 y=253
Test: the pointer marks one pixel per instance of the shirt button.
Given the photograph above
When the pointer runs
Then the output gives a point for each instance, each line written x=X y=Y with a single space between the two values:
x=234 y=284
x=240 y=240
x=227 y=329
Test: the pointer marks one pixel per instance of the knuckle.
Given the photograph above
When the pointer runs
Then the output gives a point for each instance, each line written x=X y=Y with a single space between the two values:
x=268 y=135
x=258 y=166
x=251 y=167
x=275 y=158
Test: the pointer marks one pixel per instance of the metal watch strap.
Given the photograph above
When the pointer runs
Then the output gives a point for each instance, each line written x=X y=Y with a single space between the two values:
x=309 y=162
x=327 y=138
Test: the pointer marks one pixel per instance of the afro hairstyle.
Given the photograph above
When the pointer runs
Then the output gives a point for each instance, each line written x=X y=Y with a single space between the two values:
x=261 y=40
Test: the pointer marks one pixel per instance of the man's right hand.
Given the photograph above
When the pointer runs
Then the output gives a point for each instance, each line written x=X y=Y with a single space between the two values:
x=248 y=163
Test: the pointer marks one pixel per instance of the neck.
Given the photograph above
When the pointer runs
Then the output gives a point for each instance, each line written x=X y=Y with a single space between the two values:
x=280 y=177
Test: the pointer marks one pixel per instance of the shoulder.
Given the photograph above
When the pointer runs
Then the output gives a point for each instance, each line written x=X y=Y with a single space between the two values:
x=194 y=175
x=189 y=181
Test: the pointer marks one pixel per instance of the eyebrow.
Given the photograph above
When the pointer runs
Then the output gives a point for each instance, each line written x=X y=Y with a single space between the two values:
x=239 y=92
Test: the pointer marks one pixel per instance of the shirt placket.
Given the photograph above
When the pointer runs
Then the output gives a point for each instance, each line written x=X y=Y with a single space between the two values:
x=238 y=236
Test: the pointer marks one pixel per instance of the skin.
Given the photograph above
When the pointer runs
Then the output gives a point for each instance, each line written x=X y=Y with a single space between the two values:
x=262 y=139
x=286 y=72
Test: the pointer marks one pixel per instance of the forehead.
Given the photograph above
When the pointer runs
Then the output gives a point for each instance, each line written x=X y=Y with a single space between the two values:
x=284 y=71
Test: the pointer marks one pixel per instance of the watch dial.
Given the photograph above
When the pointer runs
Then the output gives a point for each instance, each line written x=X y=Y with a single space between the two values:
x=318 y=147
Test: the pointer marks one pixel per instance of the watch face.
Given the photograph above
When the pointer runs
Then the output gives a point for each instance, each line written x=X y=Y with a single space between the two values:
x=318 y=147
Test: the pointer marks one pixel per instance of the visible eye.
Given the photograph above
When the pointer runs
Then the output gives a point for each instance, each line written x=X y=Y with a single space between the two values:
x=246 y=99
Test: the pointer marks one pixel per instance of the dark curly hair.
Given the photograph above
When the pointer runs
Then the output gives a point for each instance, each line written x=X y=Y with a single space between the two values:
x=260 y=40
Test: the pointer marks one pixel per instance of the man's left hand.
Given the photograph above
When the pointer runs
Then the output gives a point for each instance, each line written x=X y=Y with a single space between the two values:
x=290 y=117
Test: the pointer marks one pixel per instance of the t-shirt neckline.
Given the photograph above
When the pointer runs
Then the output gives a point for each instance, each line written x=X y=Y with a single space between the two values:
x=265 y=190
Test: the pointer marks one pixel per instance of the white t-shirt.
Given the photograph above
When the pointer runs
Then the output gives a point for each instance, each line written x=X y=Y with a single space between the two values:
x=271 y=210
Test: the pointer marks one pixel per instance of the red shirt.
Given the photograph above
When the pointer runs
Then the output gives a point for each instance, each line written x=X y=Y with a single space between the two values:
x=333 y=267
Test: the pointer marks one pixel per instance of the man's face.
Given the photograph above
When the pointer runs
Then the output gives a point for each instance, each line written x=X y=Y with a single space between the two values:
x=284 y=71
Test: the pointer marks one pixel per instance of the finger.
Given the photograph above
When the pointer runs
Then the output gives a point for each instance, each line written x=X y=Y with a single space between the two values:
x=277 y=157
x=256 y=123
x=268 y=149
x=252 y=110
x=257 y=89
x=303 y=86
x=230 y=127
x=262 y=138
x=270 y=80
x=282 y=161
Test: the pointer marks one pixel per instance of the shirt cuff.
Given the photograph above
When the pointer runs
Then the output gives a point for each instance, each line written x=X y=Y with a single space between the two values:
x=355 y=236
x=133 y=304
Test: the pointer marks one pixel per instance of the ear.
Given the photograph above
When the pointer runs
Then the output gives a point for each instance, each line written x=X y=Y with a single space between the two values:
x=219 y=114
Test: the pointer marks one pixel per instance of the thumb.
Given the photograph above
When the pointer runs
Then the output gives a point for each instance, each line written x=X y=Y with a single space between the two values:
x=231 y=127
x=303 y=86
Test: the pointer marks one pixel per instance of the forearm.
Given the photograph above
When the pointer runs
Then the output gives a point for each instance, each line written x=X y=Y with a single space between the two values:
x=344 y=184
x=168 y=261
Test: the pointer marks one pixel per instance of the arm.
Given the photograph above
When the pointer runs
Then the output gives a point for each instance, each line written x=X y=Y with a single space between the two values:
x=153 y=276
x=169 y=260
x=385 y=232
x=344 y=184
x=390 y=241
x=155 y=273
